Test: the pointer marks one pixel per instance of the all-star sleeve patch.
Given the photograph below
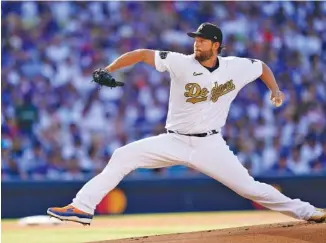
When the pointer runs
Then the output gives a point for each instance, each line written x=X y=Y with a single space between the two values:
x=163 y=54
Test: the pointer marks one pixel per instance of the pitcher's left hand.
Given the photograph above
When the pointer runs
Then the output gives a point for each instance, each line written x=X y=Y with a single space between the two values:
x=277 y=98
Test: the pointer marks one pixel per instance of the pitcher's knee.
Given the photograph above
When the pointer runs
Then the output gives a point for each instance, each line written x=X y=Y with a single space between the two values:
x=124 y=157
x=119 y=154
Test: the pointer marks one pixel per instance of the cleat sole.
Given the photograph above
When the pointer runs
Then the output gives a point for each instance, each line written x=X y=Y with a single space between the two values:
x=83 y=221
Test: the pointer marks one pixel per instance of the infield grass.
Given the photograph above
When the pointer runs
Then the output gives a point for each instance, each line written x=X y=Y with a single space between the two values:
x=125 y=226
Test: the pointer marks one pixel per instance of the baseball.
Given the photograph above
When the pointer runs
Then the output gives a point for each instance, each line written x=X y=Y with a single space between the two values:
x=277 y=102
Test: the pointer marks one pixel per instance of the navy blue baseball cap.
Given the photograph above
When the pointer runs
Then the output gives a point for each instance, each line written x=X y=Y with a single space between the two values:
x=208 y=31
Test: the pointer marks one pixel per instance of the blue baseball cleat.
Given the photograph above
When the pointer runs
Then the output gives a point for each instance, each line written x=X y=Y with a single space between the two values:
x=70 y=213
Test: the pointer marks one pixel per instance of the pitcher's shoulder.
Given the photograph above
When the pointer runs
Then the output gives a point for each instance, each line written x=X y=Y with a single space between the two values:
x=175 y=56
x=174 y=62
x=238 y=61
x=230 y=58
x=184 y=56
x=184 y=59
x=229 y=61
x=165 y=54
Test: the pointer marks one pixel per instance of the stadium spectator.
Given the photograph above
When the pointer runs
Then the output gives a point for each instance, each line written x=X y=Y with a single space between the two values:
x=56 y=124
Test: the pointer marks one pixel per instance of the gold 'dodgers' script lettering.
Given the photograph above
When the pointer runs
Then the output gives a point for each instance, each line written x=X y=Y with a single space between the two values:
x=195 y=93
x=222 y=89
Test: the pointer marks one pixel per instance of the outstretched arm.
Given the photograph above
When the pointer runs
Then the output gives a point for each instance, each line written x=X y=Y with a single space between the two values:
x=131 y=58
x=277 y=97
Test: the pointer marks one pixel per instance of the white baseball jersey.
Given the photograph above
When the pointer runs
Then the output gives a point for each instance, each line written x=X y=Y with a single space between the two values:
x=199 y=99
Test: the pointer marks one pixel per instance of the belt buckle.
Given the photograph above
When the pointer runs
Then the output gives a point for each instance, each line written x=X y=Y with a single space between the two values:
x=209 y=133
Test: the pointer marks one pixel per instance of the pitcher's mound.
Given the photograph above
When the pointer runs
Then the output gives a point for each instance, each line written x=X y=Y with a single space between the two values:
x=292 y=232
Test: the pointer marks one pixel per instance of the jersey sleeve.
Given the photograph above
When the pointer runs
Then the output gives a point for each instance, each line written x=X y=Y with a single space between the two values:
x=169 y=61
x=249 y=69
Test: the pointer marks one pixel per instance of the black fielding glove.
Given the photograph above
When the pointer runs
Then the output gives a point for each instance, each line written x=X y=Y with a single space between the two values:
x=104 y=78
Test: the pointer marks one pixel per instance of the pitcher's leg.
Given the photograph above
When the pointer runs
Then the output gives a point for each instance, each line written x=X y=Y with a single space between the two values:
x=94 y=190
x=153 y=152
x=221 y=164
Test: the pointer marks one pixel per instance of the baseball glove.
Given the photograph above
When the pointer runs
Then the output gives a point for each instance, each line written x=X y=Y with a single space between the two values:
x=104 y=78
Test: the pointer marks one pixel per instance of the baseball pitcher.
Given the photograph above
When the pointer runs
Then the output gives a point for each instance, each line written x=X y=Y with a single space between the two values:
x=203 y=86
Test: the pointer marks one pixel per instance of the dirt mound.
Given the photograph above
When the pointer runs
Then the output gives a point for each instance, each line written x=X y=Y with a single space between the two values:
x=291 y=232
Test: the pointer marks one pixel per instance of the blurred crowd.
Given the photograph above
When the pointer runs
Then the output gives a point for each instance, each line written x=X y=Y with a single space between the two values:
x=56 y=124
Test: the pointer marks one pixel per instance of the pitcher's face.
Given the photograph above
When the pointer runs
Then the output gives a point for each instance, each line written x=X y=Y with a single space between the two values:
x=203 y=49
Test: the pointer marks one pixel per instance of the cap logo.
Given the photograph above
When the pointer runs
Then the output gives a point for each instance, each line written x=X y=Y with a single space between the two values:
x=215 y=37
x=200 y=27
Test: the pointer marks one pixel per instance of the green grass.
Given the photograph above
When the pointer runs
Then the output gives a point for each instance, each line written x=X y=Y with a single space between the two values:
x=75 y=233
x=71 y=235
x=85 y=235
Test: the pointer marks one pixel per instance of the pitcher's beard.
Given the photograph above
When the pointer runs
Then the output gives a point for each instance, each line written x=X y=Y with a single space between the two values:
x=204 y=56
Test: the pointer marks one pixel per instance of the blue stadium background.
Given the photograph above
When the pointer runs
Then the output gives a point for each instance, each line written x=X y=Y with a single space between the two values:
x=57 y=125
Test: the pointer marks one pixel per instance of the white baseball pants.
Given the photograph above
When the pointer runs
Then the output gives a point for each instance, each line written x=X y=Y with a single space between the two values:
x=209 y=155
